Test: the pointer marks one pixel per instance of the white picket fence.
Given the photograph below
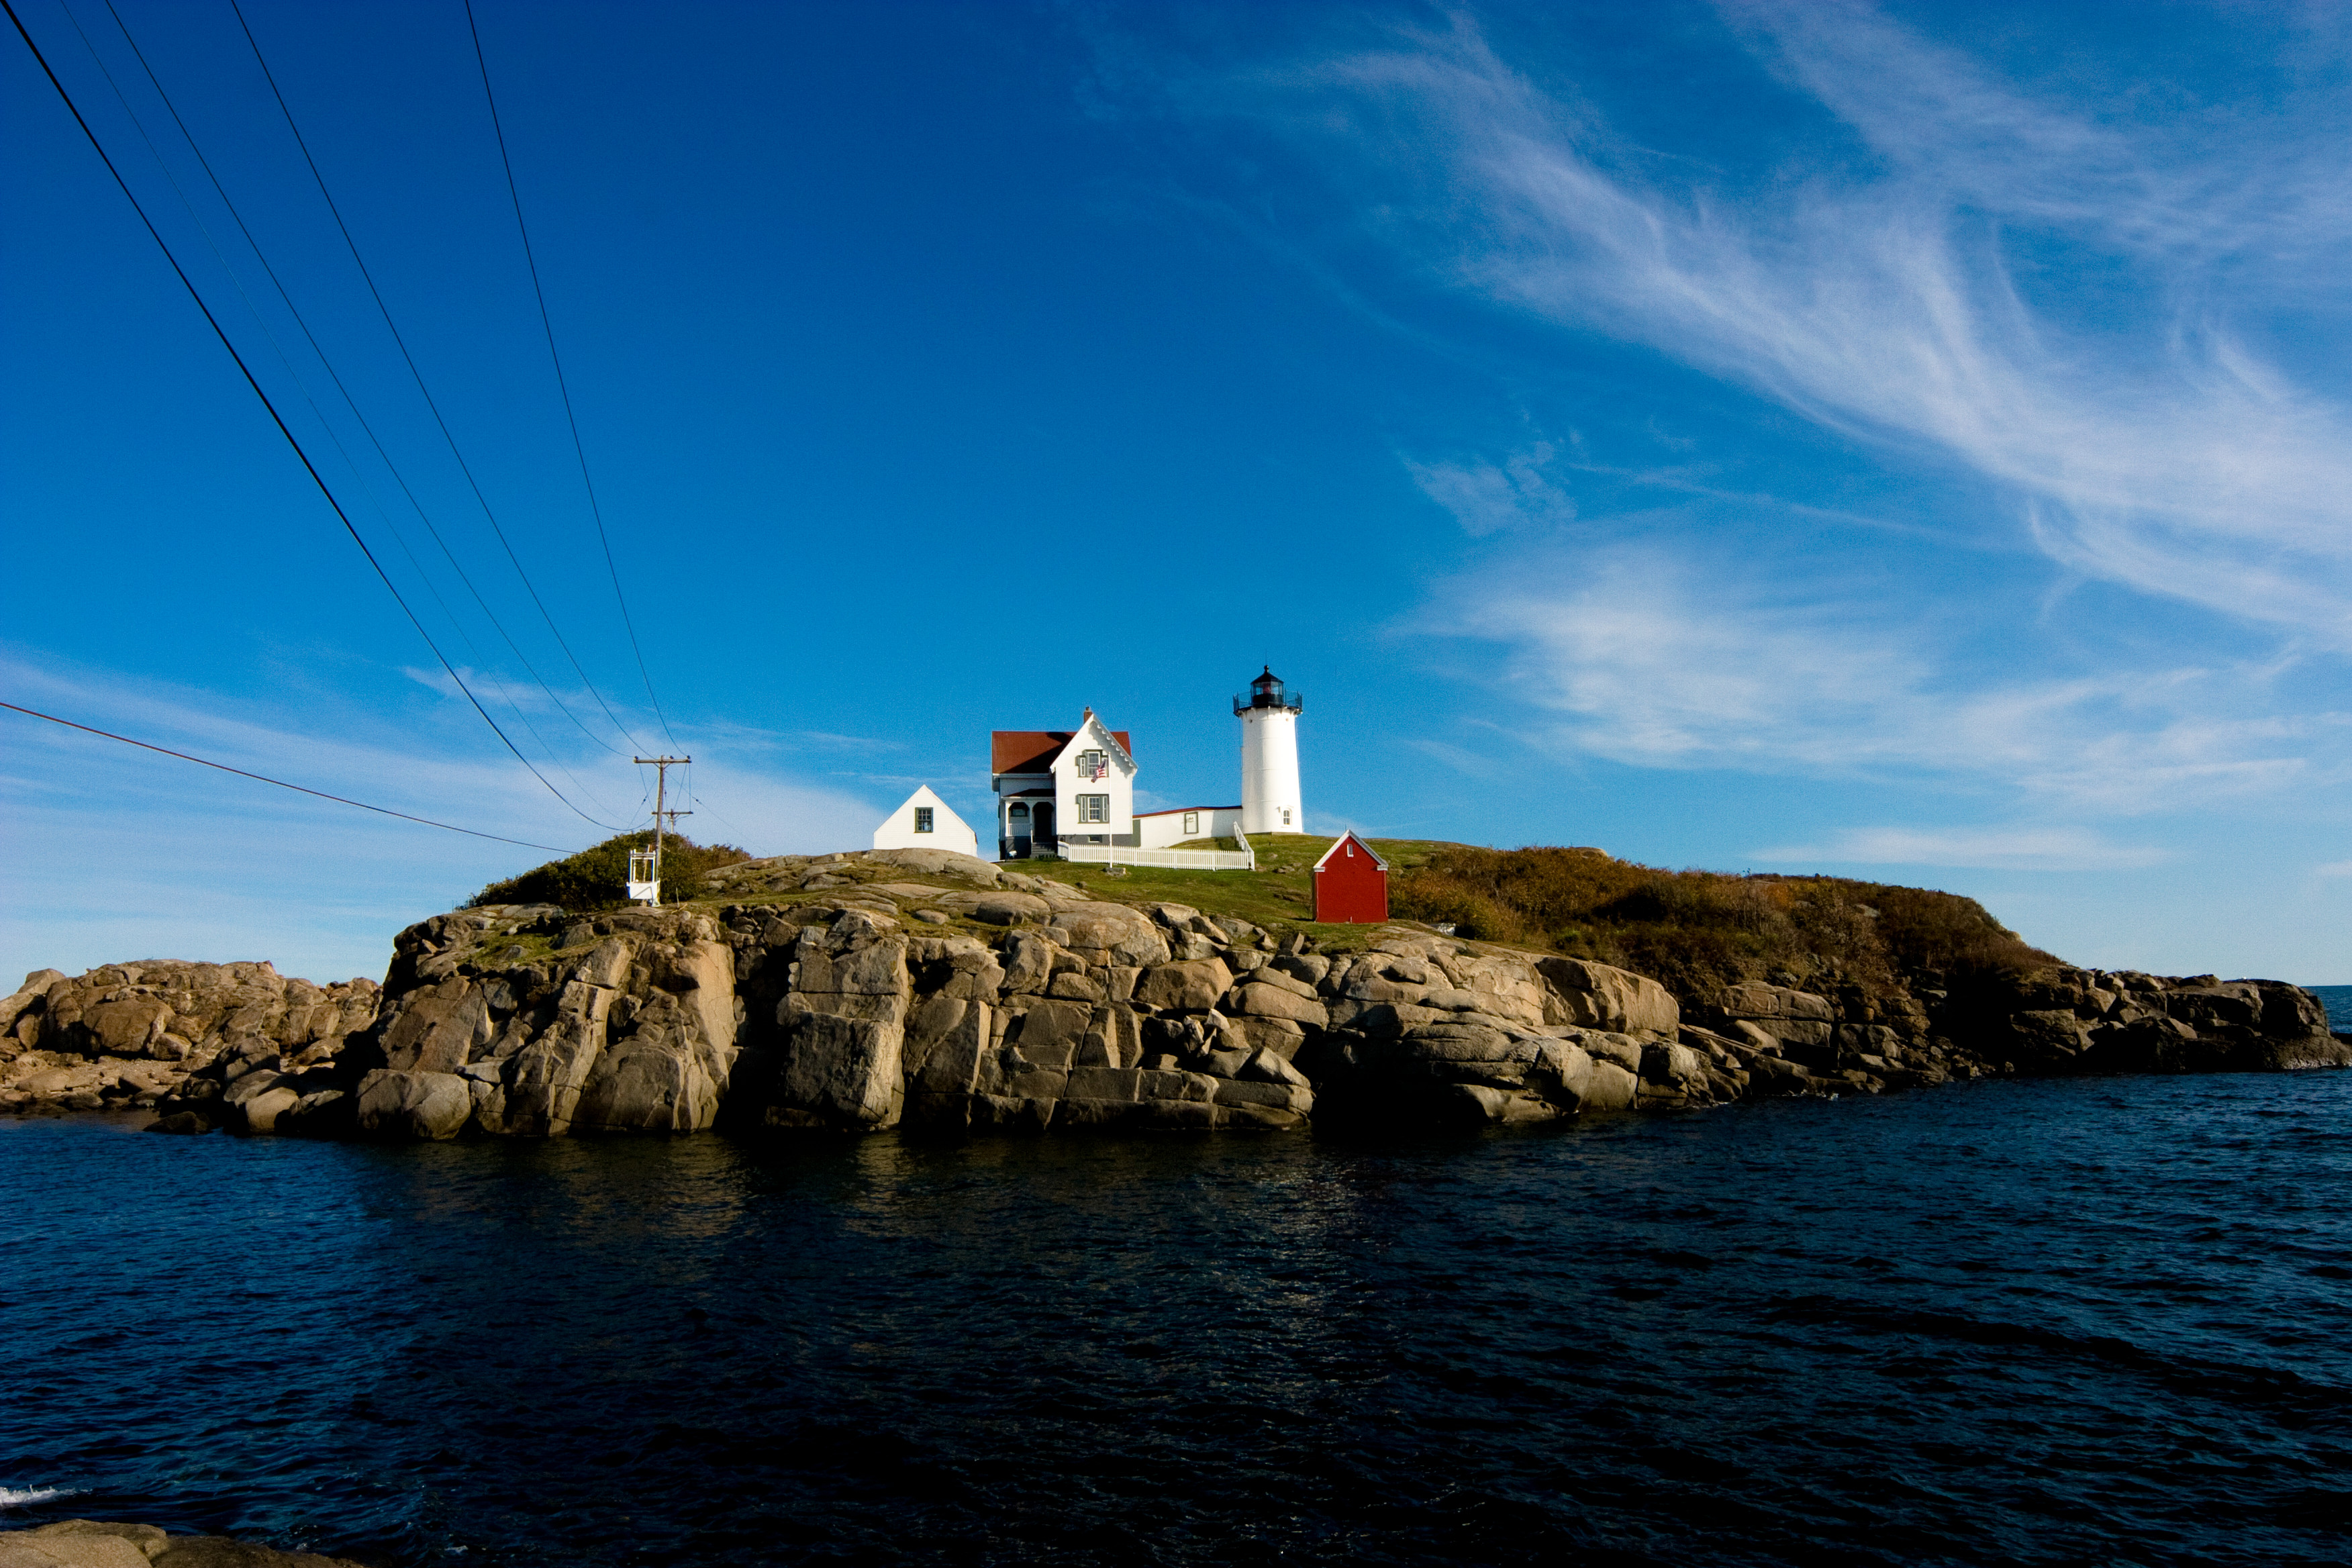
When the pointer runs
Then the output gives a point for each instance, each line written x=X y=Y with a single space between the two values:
x=1244 y=859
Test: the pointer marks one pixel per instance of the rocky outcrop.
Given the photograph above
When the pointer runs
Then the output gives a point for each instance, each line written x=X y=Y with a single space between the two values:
x=839 y=1059
x=93 y=1543
x=526 y=1020
x=1428 y=1029
x=130 y=1036
x=2049 y=1022
x=1083 y=1013
x=2091 y=1021
x=1079 y=1015
x=854 y=993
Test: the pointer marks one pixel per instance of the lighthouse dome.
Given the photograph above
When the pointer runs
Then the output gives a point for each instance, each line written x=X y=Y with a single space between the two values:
x=1266 y=691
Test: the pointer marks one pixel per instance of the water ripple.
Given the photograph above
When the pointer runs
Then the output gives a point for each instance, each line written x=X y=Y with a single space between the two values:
x=2015 y=1323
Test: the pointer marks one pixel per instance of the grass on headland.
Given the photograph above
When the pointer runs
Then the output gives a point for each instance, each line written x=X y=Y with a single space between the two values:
x=1694 y=931
x=1277 y=895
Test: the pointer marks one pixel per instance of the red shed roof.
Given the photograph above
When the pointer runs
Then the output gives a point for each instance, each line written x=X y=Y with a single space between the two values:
x=1345 y=837
x=1033 y=750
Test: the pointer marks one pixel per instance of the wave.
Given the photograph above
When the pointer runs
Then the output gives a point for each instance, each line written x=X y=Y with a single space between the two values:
x=2311 y=1399
x=9 y=1498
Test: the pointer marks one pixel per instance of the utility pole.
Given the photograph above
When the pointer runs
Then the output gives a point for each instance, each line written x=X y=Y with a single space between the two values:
x=661 y=803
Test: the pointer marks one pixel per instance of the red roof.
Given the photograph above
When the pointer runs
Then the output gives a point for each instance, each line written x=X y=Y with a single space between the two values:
x=1349 y=837
x=1033 y=750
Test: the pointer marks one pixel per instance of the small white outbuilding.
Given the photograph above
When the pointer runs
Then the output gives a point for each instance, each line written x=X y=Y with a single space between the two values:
x=924 y=822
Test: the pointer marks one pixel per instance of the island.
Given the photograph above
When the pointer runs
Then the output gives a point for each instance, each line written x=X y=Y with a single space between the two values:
x=934 y=992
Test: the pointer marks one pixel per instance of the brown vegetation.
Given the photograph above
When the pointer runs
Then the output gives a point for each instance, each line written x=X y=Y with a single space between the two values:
x=1696 y=931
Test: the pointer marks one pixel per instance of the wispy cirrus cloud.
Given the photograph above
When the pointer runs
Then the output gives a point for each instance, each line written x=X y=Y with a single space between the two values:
x=1645 y=658
x=1489 y=497
x=145 y=854
x=1461 y=760
x=2167 y=452
x=2023 y=848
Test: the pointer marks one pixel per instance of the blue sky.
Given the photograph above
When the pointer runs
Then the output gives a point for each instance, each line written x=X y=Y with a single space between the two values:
x=1908 y=442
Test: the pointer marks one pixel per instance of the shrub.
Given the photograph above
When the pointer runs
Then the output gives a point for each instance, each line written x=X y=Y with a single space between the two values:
x=597 y=876
x=1942 y=936
x=1696 y=931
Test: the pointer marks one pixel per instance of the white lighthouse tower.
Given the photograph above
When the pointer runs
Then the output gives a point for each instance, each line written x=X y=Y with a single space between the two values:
x=1270 y=802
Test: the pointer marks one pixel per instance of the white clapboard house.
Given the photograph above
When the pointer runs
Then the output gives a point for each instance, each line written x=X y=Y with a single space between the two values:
x=924 y=822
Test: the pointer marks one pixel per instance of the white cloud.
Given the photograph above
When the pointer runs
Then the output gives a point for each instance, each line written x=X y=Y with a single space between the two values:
x=2165 y=453
x=2334 y=868
x=823 y=739
x=1649 y=659
x=118 y=853
x=1487 y=498
x=1463 y=761
x=1995 y=848
x=2146 y=179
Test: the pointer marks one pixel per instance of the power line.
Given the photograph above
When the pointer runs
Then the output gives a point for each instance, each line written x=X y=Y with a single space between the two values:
x=277 y=419
x=446 y=434
x=349 y=400
x=265 y=778
x=548 y=325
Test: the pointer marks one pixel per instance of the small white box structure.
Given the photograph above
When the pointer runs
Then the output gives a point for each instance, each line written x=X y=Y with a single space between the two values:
x=924 y=822
x=645 y=884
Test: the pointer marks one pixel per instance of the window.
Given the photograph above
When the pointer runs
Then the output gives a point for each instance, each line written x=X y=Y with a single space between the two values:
x=1286 y=817
x=1351 y=851
x=1020 y=812
x=1094 y=765
x=1094 y=809
x=922 y=819
x=1191 y=824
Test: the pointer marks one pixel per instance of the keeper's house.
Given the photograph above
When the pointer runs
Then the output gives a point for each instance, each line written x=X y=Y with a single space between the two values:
x=1057 y=786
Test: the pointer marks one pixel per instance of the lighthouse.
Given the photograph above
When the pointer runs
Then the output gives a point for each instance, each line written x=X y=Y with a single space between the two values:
x=1270 y=802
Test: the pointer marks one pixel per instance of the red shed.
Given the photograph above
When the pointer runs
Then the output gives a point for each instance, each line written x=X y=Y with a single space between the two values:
x=1352 y=884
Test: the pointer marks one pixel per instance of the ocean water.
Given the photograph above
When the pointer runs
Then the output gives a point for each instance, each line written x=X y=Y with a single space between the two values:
x=2059 y=1322
x=2339 y=1007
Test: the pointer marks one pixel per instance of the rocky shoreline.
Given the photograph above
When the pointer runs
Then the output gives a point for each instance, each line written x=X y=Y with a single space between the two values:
x=94 y=1543
x=859 y=992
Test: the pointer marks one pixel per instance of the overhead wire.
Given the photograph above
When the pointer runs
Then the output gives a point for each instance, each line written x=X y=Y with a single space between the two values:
x=447 y=435
x=563 y=386
x=278 y=419
x=701 y=805
x=281 y=784
x=350 y=402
